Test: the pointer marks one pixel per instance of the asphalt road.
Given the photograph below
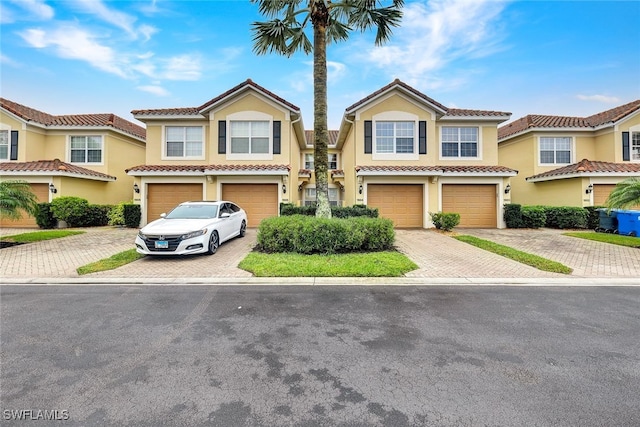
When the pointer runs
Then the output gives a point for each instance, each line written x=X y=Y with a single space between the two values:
x=320 y=356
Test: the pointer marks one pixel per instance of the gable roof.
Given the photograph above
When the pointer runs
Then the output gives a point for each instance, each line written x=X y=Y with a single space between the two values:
x=536 y=121
x=445 y=111
x=194 y=111
x=52 y=167
x=587 y=167
x=73 y=120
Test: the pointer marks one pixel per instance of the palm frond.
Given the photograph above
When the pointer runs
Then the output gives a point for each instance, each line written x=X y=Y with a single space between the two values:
x=299 y=42
x=625 y=194
x=15 y=196
x=273 y=8
x=337 y=31
x=271 y=36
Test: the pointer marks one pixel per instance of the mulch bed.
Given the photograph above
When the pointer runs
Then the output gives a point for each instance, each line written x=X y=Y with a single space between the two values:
x=4 y=244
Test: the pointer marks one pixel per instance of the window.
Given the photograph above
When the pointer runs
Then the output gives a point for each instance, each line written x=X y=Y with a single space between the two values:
x=184 y=141
x=332 y=161
x=310 y=196
x=555 y=150
x=250 y=137
x=459 y=141
x=4 y=145
x=635 y=146
x=86 y=149
x=394 y=137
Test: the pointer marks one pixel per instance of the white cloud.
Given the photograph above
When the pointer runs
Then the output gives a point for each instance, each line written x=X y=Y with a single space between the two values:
x=599 y=98
x=117 y=18
x=4 y=59
x=183 y=67
x=435 y=33
x=36 y=8
x=154 y=89
x=302 y=81
x=75 y=43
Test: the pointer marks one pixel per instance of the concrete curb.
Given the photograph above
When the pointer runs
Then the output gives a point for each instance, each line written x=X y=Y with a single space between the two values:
x=329 y=281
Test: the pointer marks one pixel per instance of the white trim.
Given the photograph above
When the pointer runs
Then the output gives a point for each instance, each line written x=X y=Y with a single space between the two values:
x=249 y=116
x=572 y=154
x=632 y=130
x=406 y=94
x=583 y=175
x=53 y=173
x=475 y=118
x=163 y=145
x=242 y=93
x=7 y=128
x=86 y=135
x=150 y=117
x=165 y=173
x=478 y=157
x=395 y=116
x=261 y=172
x=500 y=223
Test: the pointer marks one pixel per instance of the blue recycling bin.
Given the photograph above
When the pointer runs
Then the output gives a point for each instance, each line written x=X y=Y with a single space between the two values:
x=628 y=223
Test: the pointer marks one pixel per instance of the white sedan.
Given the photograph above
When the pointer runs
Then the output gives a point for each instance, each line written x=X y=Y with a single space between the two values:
x=192 y=228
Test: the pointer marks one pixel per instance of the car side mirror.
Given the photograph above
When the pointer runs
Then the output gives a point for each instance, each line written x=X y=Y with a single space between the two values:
x=163 y=214
x=225 y=215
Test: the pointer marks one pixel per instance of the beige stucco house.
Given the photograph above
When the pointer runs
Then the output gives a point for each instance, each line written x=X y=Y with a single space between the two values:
x=571 y=161
x=82 y=155
x=397 y=150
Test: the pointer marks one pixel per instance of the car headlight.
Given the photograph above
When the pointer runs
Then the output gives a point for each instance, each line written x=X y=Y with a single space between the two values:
x=194 y=234
x=142 y=236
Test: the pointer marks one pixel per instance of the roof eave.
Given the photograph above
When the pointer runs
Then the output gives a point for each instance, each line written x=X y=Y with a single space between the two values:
x=581 y=175
x=107 y=178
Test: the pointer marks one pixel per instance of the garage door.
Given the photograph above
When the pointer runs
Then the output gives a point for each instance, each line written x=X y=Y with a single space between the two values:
x=476 y=204
x=41 y=192
x=164 y=197
x=402 y=203
x=601 y=192
x=260 y=201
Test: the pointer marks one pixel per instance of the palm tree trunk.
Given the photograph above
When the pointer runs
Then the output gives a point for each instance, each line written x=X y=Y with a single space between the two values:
x=320 y=134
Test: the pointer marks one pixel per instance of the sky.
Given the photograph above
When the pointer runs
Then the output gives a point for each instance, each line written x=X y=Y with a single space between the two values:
x=572 y=58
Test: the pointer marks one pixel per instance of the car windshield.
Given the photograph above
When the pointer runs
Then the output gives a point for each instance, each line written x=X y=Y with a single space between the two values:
x=193 y=212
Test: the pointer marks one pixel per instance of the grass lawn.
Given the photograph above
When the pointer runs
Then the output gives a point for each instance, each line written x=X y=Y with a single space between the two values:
x=38 y=236
x=516 y=255
x=614 y=239
x=114 y=261
x=372 y=264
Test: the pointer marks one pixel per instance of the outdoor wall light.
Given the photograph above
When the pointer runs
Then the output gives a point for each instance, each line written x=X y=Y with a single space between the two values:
x=52 y=188
x=507 y=189
x=136 y=188
x=360 y=189
x=284 y=188
x=300 y=187
x=589 y=189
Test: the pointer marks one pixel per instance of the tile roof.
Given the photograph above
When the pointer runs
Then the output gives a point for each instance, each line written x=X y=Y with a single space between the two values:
x=333 y=136
x=73 y=120
x=56 y=166
x=586 y=166
x=439 y=170
x=532 y=121
x=197 y=110
x=448 y=112
x=203 y=168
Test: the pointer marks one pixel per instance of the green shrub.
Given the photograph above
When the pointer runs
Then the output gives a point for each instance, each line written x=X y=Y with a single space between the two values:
x=288 y=209
x=70 y=209
x=533 y=216
x=132 y=215
x=116 y=215
x=95 y=216
x=566 y=217
x=445 y=220
x=513 y=215
x=593 y=217
x=308 y=235
x=44 y=216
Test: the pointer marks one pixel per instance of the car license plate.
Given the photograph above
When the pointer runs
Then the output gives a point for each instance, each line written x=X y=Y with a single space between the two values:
x=162 y=244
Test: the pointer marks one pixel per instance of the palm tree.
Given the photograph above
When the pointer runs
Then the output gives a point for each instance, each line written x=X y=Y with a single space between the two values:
x=331 y=21
x=626 y=194
x=16 y=196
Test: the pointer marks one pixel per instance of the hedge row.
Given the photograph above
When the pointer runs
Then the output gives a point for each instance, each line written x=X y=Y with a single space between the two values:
x=77 y=212
x=562 y=217
x=288 y=209
x=310 y=235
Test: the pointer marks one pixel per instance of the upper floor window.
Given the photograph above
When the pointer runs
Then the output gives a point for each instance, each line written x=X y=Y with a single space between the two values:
x=250 y=137
x=86 y=149
x=331 y=165
x=184 y=141
x=459 y=142
x=4 y=144
x=635 y=146
x=394 y=137
x=555 y=150
x=310 y=196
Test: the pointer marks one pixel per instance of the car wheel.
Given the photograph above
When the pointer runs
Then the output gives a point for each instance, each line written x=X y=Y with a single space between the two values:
x=214 y=242
x=243 y=229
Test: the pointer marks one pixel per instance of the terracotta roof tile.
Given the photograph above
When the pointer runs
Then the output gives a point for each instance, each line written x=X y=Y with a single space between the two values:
x=437 y=170
x=197 y=110
x=533 y=121
x=403 y=85
x=459 y=112
x=590 y=167
x=247 y=167
x=385 y=168
x=167 y=168
x=333 y=136
x=73 y=120
x=203 y=168
x=477 y=169
x=51 y=166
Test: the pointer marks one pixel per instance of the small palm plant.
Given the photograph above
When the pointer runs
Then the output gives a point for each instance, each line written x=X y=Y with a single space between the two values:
x=16 y=196
x=625 y=195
